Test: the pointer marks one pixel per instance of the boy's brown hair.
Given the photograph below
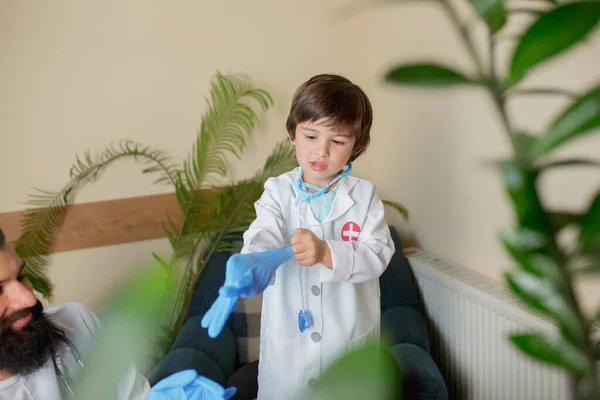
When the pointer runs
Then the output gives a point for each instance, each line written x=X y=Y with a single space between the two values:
x=341 y=102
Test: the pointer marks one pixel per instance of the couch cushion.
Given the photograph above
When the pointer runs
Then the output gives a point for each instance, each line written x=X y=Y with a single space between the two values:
x=398 y=285
x=222 y=349
x=211 y=279
x=405 y=325
x=420 y=376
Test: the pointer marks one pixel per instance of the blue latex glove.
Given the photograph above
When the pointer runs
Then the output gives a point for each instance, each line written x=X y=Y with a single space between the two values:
x=246 y=275
x=188 y=385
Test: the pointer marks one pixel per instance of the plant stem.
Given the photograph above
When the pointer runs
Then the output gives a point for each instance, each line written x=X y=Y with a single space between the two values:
x=491 y=79
x=492 y=50
x=527 y=11
x=545 y=2
x=465 y=35
x=500 y=102
x=561 y=262
x=542 y=91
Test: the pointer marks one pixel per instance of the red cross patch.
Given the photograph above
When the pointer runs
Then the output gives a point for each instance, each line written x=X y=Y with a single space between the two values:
x=350 y=231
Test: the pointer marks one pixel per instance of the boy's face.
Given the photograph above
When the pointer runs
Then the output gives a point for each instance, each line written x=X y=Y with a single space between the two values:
x=321 y=150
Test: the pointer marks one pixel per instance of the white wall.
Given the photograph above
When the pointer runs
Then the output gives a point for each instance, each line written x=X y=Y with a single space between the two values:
x=77 y=75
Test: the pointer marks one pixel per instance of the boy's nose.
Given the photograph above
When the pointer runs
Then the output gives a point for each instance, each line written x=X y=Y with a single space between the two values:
x=323 y=150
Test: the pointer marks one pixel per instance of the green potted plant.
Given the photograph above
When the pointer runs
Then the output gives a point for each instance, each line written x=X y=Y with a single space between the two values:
x=545 y=270
x=213 y=213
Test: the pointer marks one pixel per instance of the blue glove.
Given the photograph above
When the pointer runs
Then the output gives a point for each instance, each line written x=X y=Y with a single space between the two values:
x=217 y=314
x=246 y=275
x=188 y=385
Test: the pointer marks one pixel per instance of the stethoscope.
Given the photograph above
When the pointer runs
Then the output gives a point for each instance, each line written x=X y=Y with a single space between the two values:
x=304 y=196
x=59 y=367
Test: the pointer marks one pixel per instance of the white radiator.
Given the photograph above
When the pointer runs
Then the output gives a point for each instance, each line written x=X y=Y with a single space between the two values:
x=470 y=317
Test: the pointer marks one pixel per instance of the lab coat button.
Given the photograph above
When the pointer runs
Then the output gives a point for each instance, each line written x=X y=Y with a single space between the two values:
x=316 y=337
x=315 y=290
x=312 y=382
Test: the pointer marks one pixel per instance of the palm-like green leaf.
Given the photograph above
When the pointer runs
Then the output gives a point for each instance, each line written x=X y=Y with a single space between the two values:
x=282 y=159
x=225 y=126
x=398 y=207
x=48 y=208
x=89 y=167
x=38 y=226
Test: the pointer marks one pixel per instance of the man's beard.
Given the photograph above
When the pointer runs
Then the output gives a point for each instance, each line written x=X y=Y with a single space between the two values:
x=27 y=350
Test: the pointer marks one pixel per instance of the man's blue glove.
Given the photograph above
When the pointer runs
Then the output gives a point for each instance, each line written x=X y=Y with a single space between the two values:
x=246 y=275
x=188 y=385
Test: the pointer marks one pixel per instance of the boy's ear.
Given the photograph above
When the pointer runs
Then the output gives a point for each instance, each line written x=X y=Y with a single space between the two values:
x=291 y=139
x=357 y=152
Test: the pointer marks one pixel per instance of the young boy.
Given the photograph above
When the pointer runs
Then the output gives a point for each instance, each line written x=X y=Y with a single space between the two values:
x=325 y=300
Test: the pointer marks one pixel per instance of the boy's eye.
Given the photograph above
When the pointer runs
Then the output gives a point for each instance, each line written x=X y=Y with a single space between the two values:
x=338 y=142
x=309 y=137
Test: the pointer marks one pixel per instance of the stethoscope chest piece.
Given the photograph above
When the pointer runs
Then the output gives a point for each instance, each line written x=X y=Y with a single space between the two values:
x=304 y=320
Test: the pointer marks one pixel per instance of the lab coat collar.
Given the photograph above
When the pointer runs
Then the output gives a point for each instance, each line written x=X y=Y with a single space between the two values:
x=342 y=201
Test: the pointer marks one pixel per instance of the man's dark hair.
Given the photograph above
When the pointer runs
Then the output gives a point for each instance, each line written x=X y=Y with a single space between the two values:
x=2 y=239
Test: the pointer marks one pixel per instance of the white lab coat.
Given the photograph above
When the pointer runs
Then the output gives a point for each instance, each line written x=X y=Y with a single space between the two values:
x=79 y=325
x=344 y=302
